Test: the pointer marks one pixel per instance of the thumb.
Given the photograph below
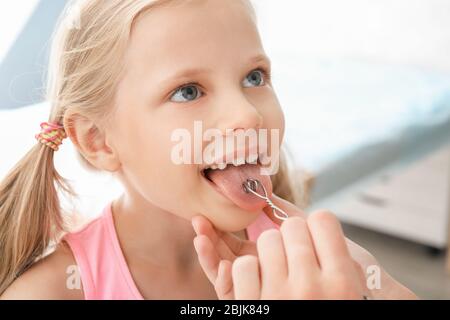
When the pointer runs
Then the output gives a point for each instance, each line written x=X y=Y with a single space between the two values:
x=291 y=209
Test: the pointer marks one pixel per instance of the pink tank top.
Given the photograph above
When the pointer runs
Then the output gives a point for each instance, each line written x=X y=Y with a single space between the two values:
x=102 y=266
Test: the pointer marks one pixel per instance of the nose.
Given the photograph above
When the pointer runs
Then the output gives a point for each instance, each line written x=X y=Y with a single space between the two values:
x=237 y=112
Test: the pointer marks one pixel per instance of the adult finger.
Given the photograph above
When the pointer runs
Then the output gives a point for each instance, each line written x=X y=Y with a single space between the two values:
x=301 y=257
x=329 y=241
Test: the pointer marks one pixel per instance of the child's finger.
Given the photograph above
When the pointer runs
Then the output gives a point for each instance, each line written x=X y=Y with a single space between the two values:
x=202 y=225
x=291 y=209
x=329 y=241
x=230 y=245
x=207 y=256
x=272 y=258
x=246 y=278
x=224 y=281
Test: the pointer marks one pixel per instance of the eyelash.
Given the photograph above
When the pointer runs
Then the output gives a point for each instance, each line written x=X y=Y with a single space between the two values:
x=266 y=73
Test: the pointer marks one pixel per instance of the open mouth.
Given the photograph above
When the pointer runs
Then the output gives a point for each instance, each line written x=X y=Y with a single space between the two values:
x=206 y=175
x=227 y=177
x=206 y=172
x=228 y=180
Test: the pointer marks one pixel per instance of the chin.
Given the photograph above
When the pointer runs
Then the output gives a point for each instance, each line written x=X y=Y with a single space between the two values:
x=233 y=220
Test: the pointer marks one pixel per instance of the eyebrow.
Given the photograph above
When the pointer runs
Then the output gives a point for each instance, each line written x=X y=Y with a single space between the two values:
x=260 y=58
x=187 y=73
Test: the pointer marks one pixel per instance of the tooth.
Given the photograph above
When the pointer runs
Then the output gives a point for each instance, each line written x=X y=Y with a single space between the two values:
x=253 y=158
x=214 y=166
x=222 y=166
x=264 y=158
x=240 y=161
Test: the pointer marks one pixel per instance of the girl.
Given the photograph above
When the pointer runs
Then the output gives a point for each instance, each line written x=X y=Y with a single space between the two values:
x=120 y=82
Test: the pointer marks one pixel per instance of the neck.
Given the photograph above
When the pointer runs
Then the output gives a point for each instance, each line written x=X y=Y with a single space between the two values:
x=153 y=235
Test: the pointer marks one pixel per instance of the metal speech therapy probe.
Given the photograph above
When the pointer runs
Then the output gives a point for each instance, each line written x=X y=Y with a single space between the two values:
x=251 y=185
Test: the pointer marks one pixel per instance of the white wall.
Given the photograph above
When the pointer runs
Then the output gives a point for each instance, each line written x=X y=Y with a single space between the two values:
x=400 y=31
x=13 y=16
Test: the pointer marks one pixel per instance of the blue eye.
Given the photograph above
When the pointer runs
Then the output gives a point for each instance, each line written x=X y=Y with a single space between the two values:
x=186 y=94
x=254 y=79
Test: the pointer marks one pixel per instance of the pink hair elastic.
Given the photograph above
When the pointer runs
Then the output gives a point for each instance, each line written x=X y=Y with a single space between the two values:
x=51 y=135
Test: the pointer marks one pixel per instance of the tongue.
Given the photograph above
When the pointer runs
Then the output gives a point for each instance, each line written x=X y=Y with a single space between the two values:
x=230 y=182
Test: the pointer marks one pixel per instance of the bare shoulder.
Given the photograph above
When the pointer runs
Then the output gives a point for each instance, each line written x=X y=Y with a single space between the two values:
x=50 y=278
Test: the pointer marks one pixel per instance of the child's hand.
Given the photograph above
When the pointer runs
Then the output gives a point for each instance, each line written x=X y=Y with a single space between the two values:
x=303 y=260
x=217 y=249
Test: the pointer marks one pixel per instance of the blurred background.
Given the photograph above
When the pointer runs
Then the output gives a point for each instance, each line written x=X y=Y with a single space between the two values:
x=365 y=86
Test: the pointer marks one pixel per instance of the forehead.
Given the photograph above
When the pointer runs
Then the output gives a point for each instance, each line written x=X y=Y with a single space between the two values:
x=184 y=33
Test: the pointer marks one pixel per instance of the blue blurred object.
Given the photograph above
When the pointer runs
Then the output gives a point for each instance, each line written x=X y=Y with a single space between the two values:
x=23 y=70
x=349 y=119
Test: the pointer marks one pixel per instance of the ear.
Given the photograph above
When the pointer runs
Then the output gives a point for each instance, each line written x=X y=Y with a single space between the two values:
x=91 y=142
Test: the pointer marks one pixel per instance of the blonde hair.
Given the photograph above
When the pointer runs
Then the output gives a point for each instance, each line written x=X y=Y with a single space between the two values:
x=82 y=78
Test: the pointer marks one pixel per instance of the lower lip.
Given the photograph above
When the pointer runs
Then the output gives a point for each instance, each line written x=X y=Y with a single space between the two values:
x=215 y=187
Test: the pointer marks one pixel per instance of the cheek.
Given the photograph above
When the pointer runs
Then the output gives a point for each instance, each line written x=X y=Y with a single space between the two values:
x=149 y=170
x=278 y=121
x=274 y=116
x=166 y=186
x=271 y=111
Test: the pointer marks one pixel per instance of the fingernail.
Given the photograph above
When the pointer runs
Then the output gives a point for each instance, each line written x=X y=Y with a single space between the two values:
x=221 y=265
x=195 y=228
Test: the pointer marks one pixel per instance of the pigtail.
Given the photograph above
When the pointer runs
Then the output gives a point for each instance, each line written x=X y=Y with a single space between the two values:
x=84 y=72
x=30 y=214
